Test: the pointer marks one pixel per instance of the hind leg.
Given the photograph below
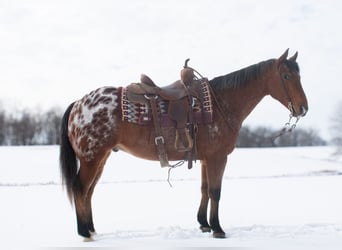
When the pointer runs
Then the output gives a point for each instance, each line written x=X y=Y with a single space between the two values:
x=88 y=201
x=89 y=174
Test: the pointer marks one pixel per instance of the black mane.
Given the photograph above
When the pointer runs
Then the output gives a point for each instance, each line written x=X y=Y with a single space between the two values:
x=292 y=65
x=241 y=77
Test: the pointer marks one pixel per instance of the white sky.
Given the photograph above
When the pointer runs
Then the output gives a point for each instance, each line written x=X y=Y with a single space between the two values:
x=54 y=52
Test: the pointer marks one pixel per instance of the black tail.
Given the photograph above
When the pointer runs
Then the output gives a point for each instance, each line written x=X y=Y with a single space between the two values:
x=67 y=157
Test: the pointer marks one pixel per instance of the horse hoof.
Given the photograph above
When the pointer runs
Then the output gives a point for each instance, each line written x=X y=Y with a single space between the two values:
x=219 y=235
x=88 y=239
x=205 y=229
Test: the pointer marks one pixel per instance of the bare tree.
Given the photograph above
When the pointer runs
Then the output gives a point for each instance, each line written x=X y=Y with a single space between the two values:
x=2 y=127
x=300 y=137
x=23 y=128
x=50 y=126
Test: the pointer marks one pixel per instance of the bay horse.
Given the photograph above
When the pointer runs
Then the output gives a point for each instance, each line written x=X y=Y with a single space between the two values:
x=92 y=128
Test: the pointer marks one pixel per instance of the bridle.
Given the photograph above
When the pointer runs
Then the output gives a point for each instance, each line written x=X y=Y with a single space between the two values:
x=289 y=102
x=288 y=126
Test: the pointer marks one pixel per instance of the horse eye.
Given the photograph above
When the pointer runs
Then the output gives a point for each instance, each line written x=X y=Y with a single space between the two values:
x=287 y=77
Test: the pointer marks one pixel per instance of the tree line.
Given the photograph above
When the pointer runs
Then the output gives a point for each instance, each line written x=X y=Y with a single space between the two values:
x=25 y=127
x=268 y=137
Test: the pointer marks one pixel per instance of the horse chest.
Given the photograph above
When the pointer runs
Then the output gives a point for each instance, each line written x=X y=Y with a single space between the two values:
x=214 y=132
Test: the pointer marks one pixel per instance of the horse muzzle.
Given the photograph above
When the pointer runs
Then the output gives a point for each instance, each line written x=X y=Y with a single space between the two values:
x=303 y=110
x=300 y=112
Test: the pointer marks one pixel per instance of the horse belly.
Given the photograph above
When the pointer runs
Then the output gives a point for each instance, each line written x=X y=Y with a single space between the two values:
x=140 y=141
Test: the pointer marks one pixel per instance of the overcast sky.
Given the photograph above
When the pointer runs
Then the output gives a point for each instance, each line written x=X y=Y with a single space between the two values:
x=54 y=52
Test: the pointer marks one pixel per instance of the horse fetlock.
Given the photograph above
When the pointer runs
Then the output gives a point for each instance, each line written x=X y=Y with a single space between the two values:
x=218 y=231
x=84 y=232
x=204 y=225
x=85 y=228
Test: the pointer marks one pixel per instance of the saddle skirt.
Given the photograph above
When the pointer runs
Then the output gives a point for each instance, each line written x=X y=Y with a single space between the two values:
x=141 y=113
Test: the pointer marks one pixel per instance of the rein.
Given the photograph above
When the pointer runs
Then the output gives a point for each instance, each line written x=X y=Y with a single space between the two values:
x=288 y=128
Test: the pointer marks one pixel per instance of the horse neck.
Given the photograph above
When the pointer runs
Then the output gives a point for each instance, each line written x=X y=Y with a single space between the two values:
x=239 y=101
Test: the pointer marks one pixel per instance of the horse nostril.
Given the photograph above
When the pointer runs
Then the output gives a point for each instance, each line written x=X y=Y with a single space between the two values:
x=303 y=110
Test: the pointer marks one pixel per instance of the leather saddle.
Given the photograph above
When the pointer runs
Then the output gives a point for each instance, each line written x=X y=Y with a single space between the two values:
x=172 y=92
x=179 y=95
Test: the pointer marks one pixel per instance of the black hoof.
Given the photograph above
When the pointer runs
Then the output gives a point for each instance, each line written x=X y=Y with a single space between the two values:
x=205 y=229
x=90 y=239
x=219 y=235
x=84 y=231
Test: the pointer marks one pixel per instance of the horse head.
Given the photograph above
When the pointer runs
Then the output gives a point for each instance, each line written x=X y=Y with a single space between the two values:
x=286 y=86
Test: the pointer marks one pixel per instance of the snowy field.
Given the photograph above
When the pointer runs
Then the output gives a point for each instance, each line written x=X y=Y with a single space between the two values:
x=284 y=198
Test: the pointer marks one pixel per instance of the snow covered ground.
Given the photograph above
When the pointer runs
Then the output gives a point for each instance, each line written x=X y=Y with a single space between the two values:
x=284 y=198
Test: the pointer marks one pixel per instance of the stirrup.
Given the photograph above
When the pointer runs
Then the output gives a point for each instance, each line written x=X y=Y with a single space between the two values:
x=180 y=141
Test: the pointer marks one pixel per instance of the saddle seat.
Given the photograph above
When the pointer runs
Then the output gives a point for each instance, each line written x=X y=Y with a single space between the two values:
x=172 y=92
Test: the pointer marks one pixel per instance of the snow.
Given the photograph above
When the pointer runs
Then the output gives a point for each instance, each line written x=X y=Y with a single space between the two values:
x=287 y=198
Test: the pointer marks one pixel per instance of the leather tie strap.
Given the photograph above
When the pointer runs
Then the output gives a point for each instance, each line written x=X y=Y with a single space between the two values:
x=159 y=139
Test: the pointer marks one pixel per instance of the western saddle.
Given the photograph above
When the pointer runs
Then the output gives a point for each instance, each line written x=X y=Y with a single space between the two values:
x=180 y=96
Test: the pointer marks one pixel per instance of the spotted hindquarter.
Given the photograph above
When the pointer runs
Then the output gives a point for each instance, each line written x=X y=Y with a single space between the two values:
x=92 y=122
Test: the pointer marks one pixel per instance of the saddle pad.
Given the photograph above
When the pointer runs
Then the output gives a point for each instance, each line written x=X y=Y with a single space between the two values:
x=141 y=113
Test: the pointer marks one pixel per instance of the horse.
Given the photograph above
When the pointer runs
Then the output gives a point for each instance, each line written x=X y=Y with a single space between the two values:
x=91 y=129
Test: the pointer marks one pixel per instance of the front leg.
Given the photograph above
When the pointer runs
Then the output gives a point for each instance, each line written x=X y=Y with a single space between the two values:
x=214 y=195
x=215 y=169
x=203 y=209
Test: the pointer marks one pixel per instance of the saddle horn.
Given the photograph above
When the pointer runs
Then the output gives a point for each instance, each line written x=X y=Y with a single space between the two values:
x=187 y=74
x=186 y=63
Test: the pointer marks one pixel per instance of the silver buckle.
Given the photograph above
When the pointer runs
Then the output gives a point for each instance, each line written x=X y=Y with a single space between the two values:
x=159 y=138
x=149 y=97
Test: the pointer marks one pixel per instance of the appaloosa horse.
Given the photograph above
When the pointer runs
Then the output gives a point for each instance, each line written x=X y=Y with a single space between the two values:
x=93 y=126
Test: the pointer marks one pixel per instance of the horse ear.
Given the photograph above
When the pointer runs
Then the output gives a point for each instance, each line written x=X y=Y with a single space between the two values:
x=282 y=58
x=294 y=57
